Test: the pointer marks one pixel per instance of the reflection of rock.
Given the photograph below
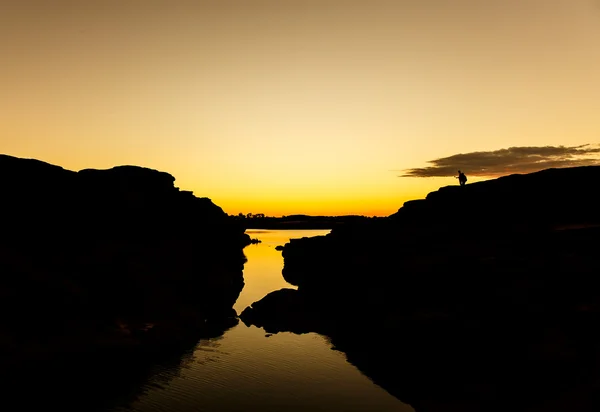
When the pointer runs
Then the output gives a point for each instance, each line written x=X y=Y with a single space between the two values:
x=103 y=381
x=110 y=259
x=495 y=310
x=437 y=362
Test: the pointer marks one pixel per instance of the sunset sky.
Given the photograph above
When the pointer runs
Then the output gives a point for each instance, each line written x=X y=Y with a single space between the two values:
x=313 y=106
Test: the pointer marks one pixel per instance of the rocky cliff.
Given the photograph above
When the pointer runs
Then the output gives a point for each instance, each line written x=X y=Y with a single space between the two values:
x=110 y=259
x=483 y=297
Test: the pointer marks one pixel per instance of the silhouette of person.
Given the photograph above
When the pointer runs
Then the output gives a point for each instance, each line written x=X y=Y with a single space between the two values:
x=462 y=179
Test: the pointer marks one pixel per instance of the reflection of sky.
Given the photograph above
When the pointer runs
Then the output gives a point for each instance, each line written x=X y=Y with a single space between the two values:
x=245 y=371
x=262 y=272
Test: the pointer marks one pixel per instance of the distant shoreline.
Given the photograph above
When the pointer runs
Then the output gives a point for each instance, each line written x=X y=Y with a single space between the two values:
x=301 y=222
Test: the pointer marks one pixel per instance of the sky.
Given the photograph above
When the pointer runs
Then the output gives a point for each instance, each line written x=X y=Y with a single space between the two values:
x=281 y=107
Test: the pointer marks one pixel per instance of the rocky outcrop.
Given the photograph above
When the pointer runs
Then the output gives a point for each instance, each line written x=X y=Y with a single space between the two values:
x=483 y=297
x=105 y=259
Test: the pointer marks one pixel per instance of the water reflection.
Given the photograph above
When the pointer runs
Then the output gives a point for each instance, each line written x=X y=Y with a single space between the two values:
x=262 y=272
x=245 y=369
x=97 y=383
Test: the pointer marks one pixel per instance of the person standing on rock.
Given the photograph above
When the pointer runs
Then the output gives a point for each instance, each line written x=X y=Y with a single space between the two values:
x=462 y=179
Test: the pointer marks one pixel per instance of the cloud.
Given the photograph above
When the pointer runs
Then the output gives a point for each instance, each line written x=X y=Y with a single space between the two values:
x=508 y=161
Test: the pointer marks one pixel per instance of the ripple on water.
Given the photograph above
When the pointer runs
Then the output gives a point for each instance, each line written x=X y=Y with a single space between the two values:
x=245 y=370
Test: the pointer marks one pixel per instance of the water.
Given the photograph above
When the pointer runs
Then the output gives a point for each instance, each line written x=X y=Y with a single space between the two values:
x=246 y=369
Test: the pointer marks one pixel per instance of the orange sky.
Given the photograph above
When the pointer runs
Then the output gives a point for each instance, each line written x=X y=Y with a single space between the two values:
x=283 y=107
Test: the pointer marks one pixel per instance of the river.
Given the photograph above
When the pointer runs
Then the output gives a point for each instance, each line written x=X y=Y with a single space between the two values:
x=246 y=369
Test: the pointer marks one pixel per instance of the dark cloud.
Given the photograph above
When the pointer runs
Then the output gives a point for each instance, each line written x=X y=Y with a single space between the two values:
x=508 y=161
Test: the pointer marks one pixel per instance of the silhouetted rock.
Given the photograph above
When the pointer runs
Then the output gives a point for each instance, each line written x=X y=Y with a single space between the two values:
x=110 y=259
x=482 y=297
x=549 y=197
x=294 y=313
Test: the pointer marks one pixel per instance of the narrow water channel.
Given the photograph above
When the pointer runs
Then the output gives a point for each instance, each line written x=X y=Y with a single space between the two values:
x=246 y=369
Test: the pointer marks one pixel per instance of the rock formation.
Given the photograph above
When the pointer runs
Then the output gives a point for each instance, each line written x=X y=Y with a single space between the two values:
x=483 y=297
x=116 y=259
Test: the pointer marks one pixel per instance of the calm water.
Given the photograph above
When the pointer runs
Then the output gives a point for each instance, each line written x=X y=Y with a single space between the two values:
x=247 y=370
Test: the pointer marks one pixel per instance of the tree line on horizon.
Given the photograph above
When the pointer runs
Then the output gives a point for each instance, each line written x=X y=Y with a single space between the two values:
x=298 y=217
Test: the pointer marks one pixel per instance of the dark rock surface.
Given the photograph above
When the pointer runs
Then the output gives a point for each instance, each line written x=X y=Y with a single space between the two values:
x=103 y=381
x=483 y=297
x=109 y=260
